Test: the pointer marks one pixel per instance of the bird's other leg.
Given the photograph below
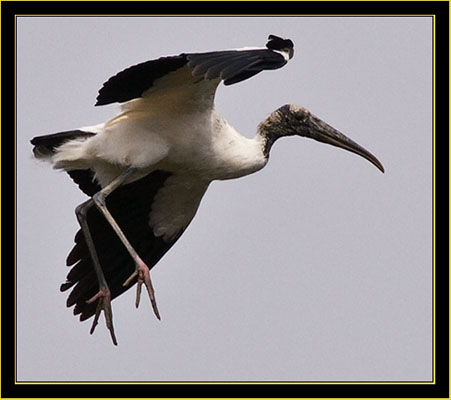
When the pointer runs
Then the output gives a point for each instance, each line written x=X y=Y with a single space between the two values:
x=103 y=295
x=142 y=271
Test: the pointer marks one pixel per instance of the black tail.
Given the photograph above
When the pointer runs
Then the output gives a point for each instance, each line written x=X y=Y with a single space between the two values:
x=44 y=146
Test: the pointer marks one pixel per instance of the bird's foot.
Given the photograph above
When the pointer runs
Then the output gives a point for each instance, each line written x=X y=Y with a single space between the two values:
x=143 y=273
x=103 y=297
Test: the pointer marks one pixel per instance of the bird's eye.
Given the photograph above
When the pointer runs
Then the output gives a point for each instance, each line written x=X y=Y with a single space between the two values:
x=302 y=116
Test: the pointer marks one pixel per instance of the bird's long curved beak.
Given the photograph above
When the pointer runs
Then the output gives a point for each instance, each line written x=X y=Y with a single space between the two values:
x=322 y=132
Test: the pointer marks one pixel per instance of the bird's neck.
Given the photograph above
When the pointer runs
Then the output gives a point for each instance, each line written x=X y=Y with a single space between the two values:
x=268 y=132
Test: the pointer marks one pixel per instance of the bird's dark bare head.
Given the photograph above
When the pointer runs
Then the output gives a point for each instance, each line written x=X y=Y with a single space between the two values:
x=292 y=120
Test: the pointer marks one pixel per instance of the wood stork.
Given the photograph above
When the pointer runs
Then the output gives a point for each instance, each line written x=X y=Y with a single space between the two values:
x=147 y=169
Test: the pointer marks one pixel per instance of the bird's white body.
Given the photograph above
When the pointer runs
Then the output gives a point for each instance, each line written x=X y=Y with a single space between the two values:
x=166 y=130
x=202 y=144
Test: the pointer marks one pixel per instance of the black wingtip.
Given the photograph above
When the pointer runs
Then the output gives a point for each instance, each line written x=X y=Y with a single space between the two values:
x=100 y=101
x=274 y=37
x=280 y=44
x=65 y=286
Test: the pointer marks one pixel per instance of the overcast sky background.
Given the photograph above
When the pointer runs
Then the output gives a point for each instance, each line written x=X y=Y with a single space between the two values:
x=316 y=268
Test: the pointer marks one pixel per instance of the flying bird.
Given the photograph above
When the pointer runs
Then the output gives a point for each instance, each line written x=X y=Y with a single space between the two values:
x=147 y=169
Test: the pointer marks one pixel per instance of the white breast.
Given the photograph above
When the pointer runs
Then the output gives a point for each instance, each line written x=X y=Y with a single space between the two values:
x=234 y=154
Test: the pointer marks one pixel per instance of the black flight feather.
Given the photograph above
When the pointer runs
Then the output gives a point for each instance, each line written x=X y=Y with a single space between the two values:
x=232 y=66
x=130 y=206
x=132 y=82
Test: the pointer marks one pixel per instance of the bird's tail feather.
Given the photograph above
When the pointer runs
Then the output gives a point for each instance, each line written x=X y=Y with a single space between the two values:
x=65 y=150
x=45 y=146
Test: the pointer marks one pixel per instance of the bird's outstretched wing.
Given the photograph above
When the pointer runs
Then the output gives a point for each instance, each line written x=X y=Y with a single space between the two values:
x=185 y=70
x=153 y=212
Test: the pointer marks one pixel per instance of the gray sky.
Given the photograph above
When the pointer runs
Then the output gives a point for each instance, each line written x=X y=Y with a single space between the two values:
x=318 y=267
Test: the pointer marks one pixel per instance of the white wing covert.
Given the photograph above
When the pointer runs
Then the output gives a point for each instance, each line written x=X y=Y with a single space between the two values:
x=175 y=205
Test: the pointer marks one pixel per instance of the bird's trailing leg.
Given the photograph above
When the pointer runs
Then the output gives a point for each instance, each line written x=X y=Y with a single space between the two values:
x=103 y=295
x=142 y=270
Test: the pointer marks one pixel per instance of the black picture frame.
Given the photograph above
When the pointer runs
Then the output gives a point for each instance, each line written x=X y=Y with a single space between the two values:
x=439 y=387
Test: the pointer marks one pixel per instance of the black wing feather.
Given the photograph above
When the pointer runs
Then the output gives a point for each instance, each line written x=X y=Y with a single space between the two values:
x=232 y=66
x=84 y=178
x=130 y=205
x=132 y=82
x=228 y=65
